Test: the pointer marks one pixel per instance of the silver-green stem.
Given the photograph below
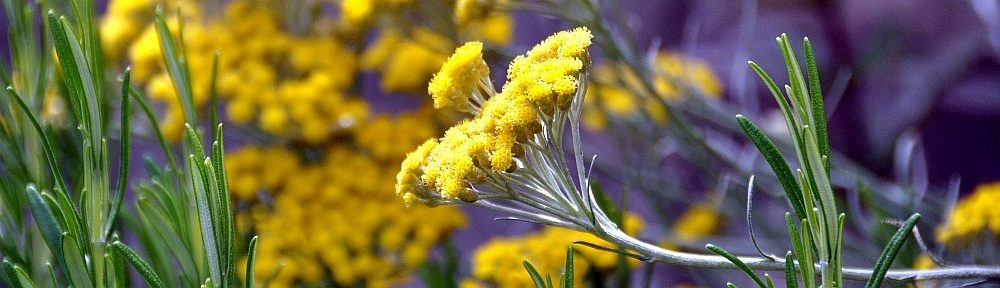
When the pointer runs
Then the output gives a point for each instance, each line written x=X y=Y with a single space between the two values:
x=659 y=254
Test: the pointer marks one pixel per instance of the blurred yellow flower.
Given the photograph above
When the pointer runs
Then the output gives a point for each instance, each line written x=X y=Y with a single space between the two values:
x=613 y=92
x=485 y=20
x=974 y=215
x=292 y=85
x=499 y=260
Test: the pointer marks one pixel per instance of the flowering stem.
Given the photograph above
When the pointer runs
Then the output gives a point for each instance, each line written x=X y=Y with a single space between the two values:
x=758 y=263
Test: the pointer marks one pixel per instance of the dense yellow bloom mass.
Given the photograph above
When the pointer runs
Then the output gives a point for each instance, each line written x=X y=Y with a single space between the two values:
x=613 y=91
x=542 y=80
x=974 y=215
x=499 y=260
x=291 y=85
x=322 y=216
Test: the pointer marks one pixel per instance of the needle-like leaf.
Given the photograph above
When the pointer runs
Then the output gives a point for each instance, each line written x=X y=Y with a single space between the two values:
x=889 y=254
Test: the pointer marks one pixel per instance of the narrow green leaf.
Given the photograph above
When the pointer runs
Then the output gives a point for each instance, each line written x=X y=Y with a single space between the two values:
x=251 y=258
x=70 y=71
x=736 y=261
x=176 y=68
x=548 y=281
x=839 y=250
x=568 y=270
x=793 y=235
x=767 y=279
x=889 y=254
x=807 y=260
x=9 y=275
x=795 y=77
x=77 y=76
x=194 y=142
x=147 y=110
x=16 y=273
x=126 y=153
x=118 y=265
x=777 y=163
x=199 y=184
x=535 y=277
x=779 y=98
x=816 y=96
x=153 y=217
x=78 y=270
x=140 y=265
x=23 y=278
x=222 y=197
x=52 y=273
x=47 y=147
x=213 y=94
x=790 y=275
x=730 y=285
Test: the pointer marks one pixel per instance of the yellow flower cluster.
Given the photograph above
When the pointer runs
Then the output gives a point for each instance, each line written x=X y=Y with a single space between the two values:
x=124 y=21
x=974 y=215
x=498 y=262
x=390 y=138
x=325 y=217
x=361 y=13
x=540 y=81
x=699 y=221
x=486 y=20
x=613 y=91
x=293 y=86
x=405 y=62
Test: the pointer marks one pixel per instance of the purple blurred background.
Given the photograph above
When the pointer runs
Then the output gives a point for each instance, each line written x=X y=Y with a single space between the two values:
x=920 y=70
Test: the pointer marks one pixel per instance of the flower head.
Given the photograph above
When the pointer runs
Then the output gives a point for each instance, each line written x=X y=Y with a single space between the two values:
x=459 y=78
x=480 y=149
